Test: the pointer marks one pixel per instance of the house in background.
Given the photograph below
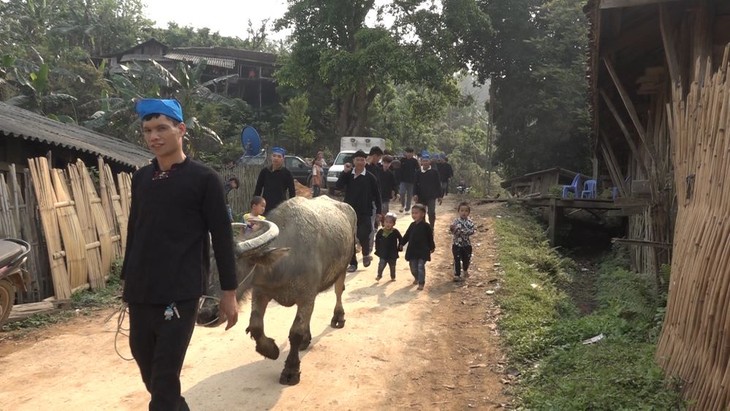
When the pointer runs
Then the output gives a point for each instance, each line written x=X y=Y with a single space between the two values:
x=251 y=72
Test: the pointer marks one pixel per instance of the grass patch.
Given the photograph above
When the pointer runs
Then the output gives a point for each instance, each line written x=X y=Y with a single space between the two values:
x=82 y=303
x=543 y=328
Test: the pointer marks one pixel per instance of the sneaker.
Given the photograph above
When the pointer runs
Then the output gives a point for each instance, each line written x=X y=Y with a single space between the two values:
x=457 y=279
x=367 y=260
x=351 y=268
x=420 y=287
x=392 y=278
x=378 y=278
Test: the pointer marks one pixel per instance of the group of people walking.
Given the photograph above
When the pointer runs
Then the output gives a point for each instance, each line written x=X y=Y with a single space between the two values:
x=178 y=209
x=370 y=184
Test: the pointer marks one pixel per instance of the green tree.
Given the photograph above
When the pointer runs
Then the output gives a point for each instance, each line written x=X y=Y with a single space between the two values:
x=536 y=63
x=345 y=63
x=297 y=124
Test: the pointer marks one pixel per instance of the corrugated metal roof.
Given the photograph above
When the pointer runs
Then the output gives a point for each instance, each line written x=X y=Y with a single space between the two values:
x=17 y=122
x=229 y=53
x=211 y=61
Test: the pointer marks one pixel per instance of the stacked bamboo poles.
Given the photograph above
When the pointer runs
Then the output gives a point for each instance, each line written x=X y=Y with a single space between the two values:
x=695 y=340
x=71 y=233
x=116 y=205
x=106 y=193
x=95 y=266
x=8 y=225
x=124 y=181
x=98 y=220
x=46 y=205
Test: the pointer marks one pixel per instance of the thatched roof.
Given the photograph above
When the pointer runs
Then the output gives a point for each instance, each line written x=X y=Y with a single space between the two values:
x=20 y=123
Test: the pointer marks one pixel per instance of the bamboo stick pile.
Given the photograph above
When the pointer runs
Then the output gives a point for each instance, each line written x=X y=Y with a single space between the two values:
x=79 y=236
x=98 y=221
x=83 y=210
x=47 y=206
x=695 y=340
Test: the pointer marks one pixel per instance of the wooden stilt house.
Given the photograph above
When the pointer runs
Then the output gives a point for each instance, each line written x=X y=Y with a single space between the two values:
x=658 y=71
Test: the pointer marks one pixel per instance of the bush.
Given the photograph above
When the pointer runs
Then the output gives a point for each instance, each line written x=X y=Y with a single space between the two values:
x=544 y=331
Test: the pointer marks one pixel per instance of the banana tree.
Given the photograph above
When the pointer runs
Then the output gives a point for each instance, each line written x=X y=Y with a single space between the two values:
x=29 y=86
x=116 y=114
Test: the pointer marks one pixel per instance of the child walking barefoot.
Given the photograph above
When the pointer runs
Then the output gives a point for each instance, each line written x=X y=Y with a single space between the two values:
x=420 y=237
x=387 y=241
x=462 y=228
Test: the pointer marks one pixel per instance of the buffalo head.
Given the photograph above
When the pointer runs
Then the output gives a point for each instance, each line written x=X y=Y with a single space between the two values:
x=252 y=255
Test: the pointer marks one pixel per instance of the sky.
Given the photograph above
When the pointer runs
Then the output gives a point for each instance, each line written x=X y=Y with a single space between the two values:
x=229 y=18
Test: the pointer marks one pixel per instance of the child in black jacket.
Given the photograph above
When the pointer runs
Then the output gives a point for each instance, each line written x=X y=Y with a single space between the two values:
x=387 y=241
x=420 y=237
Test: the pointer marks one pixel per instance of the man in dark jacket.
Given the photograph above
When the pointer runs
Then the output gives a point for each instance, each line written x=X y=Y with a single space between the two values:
x=427 y=188
x=407 y=174
x=445 y=172
x=361 y=192
x=176 y=204
x=388 y=185
x=275 y=181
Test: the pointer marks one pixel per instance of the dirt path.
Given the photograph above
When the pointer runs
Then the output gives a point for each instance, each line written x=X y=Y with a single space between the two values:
x=400 y=348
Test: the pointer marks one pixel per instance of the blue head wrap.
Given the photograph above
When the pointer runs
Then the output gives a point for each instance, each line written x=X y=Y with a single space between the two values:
x=425 y=155
x=169 y=107
x=278 y=150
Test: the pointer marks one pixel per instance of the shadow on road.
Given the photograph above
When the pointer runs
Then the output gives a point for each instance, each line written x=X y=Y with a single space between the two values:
x=253 y=386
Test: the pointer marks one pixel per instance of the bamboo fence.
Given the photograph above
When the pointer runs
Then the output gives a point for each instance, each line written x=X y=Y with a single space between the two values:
x=8 y=219
x=695 y=340
x=16 y=221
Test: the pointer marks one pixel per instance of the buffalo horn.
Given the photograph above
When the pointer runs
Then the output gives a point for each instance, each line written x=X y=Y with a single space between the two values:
x=269 y=232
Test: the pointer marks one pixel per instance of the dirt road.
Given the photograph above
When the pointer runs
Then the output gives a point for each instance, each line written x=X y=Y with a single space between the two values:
x=400 y=348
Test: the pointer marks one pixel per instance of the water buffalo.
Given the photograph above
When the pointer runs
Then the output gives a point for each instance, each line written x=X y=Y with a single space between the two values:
x=311 y=253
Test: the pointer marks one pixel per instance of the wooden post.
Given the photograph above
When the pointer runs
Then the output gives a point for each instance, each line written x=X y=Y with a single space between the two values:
x=555 y=213
x=629 y=105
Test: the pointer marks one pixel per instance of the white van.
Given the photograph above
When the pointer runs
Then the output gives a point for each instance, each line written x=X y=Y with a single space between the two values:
x=348 y=147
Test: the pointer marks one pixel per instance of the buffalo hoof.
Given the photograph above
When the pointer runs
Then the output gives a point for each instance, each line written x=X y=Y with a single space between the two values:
x=290 y=377
x=337 y=322
x=267 y=347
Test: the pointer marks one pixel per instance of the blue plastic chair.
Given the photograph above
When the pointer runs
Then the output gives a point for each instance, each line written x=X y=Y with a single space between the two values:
x=589 y=189
x=573 y=187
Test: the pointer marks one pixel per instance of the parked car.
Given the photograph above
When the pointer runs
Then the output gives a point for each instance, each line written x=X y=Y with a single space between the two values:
x=300 y=169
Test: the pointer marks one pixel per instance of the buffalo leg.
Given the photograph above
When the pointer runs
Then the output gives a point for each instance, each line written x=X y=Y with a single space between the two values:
x=338 y=319
x=264 y=345
x=298 y=333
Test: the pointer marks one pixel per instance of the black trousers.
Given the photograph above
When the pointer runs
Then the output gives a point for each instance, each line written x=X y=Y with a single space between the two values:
x=462 y=257
x=364 y=228
x=159 y=348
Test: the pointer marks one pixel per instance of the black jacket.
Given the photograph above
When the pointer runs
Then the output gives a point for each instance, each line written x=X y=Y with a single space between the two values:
x=427 y=185
x=408 y=169
x=387 y=247
x=273 y=185
x=361 y=192
x=445 y=172
x=388 y=184
x=167 y=252
x=419 y=238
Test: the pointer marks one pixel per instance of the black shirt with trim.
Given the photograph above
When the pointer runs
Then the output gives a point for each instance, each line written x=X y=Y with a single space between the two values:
x=168 y=241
